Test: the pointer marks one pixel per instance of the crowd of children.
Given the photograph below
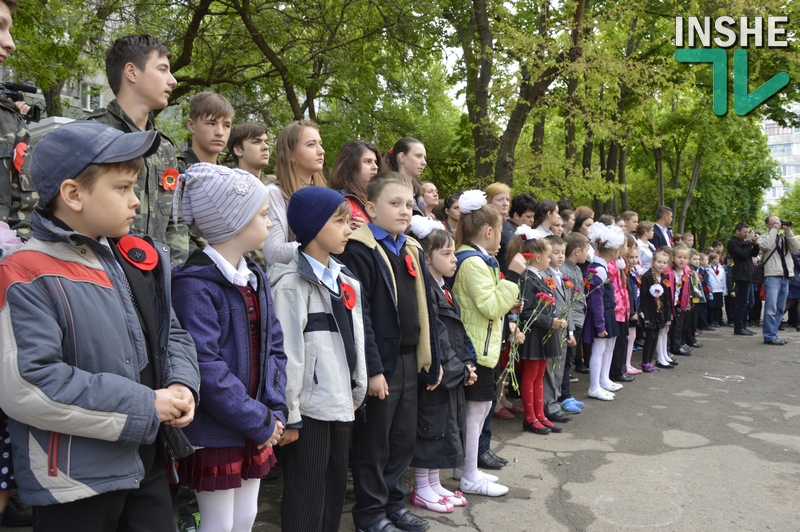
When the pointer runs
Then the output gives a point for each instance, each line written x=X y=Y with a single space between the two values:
x=374 y=341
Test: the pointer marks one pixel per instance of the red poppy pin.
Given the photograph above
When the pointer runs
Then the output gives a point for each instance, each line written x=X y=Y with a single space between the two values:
x=349 y=295
x=138 y=252
x=169 y=179
x=410 y=265
x=20 y=150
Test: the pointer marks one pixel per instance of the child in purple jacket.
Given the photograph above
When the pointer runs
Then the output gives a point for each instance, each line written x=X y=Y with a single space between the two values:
x=224 y=301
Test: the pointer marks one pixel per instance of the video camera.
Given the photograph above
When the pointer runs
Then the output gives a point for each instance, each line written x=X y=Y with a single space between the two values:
x=13 y=91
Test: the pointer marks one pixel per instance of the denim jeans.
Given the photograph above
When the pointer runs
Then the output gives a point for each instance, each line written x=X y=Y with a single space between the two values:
x=775 y=291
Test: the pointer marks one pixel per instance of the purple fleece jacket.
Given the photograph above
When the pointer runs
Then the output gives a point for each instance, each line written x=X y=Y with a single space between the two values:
x=213 y=311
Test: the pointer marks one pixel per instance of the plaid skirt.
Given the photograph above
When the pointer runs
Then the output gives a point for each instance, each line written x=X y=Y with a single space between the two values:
x=223 y=468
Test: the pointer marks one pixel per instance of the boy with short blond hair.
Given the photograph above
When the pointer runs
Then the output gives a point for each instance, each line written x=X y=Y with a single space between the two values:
x=210 y=120
x=96 y=373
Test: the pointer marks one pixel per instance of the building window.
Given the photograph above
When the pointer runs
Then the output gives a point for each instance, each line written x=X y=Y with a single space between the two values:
x=780 y=149
x=787 y=170
x=776 y=129
x=91 y=96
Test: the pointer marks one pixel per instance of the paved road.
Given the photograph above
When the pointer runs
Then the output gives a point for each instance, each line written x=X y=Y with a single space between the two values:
x=711 y=445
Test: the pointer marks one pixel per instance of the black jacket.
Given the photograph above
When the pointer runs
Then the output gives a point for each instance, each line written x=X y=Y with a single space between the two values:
x=742 y=252
x=375 y=274
x=441 y=413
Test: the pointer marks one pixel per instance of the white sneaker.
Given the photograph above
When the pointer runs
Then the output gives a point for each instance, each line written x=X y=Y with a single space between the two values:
x=483 y=487
x=600 y=394
x=458 y=472
x=611 y=386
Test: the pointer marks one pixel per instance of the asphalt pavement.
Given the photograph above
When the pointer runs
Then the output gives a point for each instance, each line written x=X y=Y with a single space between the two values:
x=713 y=444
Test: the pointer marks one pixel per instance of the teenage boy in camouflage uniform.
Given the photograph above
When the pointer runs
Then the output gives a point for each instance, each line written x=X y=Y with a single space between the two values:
x=17 y=194
x=137 y=67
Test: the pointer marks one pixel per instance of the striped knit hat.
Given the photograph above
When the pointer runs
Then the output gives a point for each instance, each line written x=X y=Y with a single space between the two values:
x=220 y=200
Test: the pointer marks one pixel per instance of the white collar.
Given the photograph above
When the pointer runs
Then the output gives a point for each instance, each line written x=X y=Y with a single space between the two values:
x=326 y=275
x=239 y=276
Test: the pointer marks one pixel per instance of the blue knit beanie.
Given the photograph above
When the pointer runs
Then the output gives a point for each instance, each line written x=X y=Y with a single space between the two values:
x=309 y=210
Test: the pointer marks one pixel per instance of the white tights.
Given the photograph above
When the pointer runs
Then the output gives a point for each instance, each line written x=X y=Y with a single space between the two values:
x=232 y=510
x=600 y=362
x=661 y=346
x=476 y=414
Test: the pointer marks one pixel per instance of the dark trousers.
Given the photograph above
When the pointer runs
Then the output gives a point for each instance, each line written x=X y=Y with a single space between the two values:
x=703 y=322
x=730 y=309
x=619 y=358
x=650 y=344
x=315 y=477
x=690 y=324
x=569 y=361
x=383 y=446
x=756 y=305
x=676 y=330
x=147 y=509
x=743 y=302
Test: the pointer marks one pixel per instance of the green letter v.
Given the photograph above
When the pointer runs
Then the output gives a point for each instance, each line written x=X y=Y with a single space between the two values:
x=743 y=102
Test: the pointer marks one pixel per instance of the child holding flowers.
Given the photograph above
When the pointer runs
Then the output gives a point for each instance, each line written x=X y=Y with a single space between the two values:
x=484 y=299
x=554 y=373
x=600 y=327
x=657 y=309
x=538 y=316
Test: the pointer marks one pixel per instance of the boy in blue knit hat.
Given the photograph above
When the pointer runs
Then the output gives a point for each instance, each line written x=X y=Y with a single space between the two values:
x=323 y=314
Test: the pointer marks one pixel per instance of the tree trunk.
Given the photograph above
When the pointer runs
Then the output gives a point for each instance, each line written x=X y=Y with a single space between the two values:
x=571 y=152
x=676 y=181
x=610 y=172
x=690 y=193
x=537 y=148
x=701 y=238
x=52 y=98
x=621 y=177
x=658 y=154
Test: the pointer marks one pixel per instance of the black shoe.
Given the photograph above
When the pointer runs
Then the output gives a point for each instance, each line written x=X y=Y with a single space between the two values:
x=536 y=430
x=781 y=328
x=686 y=347
x=623 y=378
x=558 y=416
x=384 y=525
x=487 y=461
x=682 y=352
x=664 y=366
x=585 y=370
x=743 y=332
x=499 y=459
x=673 y=363
x=749 y=331
x=554 y=428
x=17 y=514
x=695 y=345
x=404 y=520
x=776 y=341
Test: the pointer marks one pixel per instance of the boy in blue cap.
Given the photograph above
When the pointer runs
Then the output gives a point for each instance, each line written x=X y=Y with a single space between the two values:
x=95 y=372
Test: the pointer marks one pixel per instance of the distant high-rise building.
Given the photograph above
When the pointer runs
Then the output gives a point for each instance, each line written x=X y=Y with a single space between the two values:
x=784 y=143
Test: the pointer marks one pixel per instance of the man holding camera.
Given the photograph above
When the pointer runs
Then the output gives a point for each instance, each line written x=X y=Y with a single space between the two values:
x=18 y=196
x=778 y=268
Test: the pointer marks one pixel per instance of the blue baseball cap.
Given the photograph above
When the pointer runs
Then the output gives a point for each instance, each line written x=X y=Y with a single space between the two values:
x=66 y=151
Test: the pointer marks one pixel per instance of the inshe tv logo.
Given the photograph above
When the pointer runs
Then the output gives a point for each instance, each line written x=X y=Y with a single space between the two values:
x=751 y=33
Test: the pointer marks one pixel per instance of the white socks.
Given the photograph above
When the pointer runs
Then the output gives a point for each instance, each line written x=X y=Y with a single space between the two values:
x=232 y=510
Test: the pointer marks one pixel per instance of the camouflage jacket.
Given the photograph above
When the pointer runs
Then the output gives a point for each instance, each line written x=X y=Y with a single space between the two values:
x=18 y=196
x=186 y=159
x=154 y=216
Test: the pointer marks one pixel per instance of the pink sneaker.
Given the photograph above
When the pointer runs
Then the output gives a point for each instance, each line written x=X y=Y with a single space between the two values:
x=633 y=371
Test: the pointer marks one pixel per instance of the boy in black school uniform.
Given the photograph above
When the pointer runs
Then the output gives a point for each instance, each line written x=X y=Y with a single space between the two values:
x=392 y=270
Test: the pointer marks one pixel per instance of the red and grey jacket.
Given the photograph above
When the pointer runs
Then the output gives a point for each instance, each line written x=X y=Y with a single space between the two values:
x=71 y=354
